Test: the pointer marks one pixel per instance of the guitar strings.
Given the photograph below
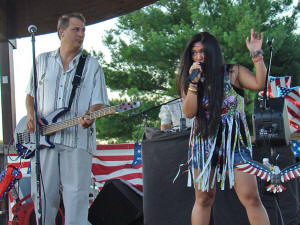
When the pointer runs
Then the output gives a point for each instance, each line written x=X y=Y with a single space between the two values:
x=21 y=137
x=26 y=136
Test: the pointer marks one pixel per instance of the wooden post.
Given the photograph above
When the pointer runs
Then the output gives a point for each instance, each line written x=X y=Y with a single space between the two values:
x=8 y=110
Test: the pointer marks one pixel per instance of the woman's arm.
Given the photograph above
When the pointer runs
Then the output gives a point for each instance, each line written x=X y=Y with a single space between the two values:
x=190 y=105
x=244 y=78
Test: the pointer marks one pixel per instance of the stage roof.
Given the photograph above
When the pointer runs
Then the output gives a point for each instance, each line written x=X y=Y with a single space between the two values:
x=17 y=15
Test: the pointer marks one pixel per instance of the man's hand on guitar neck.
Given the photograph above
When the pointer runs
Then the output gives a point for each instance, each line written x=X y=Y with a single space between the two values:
x=84 y=121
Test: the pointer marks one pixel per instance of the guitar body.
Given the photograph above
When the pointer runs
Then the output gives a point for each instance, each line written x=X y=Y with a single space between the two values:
x=25 y=141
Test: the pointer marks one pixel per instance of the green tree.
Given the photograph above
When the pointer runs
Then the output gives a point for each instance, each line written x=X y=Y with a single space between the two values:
x=146 y=45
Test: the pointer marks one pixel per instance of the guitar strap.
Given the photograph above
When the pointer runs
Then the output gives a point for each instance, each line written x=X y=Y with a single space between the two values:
x=77 y=78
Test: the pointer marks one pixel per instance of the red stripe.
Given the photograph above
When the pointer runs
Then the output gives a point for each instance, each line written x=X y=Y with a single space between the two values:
x=256 y=172
x=124 y=177
x=138 y=166
x=138 y=186
x=293 y=101
x=114 y=158
x=98 y=169
x=295 y=174
x=293 y=114
x=247 y=167
x=115 y=147
x=251 y=170
x=287 y=81
x=294 y=125
x=262 y=174
x=270 y=91
x=296 y=92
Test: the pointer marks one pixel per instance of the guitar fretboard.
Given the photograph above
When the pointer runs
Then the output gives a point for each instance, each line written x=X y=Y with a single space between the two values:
x=52 y=128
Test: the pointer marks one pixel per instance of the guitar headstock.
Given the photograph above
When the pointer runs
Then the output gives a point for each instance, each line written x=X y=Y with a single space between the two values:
x=125 y=106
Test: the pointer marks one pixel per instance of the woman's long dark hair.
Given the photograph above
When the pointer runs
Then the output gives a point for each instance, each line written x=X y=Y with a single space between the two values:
x=212 y=87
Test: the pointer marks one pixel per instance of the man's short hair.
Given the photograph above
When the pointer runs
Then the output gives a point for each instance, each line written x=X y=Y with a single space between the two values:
x=63 y=21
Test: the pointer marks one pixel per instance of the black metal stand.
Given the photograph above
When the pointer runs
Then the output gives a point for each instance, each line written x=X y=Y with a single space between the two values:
x=32 y=30
x=266 y=96
x=264 y=104
x=144 y=113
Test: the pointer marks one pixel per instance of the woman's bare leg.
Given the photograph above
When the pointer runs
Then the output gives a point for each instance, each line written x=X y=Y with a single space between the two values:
x=202 y=206
x=246 y=189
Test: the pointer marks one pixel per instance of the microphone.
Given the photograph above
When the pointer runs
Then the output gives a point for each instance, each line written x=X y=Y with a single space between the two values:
x=32 y=29
x=270 y=41
x=195 y=72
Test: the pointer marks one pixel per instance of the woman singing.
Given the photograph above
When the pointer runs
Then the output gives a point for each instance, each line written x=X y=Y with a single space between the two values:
x=220 y=135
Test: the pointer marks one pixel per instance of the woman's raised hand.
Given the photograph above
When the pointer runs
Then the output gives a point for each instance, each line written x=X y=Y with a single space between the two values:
x=255 y=43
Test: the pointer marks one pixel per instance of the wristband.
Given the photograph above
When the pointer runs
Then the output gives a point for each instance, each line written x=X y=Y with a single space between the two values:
x=192 y=90
x=193 y=86
x=256 y=53
x=257 y=59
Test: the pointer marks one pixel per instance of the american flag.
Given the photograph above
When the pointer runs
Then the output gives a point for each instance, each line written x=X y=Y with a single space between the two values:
x=118 y=161
x=22 y=164
x=292 y=97
x=296 y=147
x=273 y=82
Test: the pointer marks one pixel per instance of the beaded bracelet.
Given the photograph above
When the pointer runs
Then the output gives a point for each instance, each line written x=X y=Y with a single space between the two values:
x=193 y=86
x=257 y=59
x=256 y=53
x=192 y=90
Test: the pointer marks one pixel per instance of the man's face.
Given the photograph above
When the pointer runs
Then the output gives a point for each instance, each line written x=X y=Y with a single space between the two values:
x=73 y=35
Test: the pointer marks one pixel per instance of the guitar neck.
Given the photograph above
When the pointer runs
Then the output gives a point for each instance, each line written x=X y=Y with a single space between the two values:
x=55 y=127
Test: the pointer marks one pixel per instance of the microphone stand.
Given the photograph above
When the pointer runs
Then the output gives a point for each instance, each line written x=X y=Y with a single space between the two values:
x=265 y=105
x=145 y=112
x=37 y=133
x=266 y=97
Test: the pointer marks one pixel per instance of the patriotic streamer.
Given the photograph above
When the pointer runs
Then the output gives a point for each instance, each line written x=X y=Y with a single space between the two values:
x=8 y=178
x=273 y=174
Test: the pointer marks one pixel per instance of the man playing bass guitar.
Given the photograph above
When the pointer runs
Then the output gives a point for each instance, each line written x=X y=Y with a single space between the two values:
x=68 y=164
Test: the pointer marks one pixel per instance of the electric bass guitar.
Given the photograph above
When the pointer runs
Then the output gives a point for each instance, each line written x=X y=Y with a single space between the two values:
x=25 y=141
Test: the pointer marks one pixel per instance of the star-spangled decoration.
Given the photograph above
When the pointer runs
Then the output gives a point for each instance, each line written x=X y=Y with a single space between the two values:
x=8 y=178
x=273 y=82
x=292 y=99
x=283 y=91
x=137 y=158
x=273 y=174
x=296 y=148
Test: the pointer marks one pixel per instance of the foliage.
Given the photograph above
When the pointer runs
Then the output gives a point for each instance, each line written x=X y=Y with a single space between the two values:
x=146 y=45
x=129 y=126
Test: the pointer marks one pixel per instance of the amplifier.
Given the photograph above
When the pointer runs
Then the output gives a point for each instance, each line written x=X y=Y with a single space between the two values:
x=271 y=125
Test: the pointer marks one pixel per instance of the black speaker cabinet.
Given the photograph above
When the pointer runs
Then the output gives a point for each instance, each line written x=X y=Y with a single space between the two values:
x=271 y=125
x=165 y=202
x=116 y=204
